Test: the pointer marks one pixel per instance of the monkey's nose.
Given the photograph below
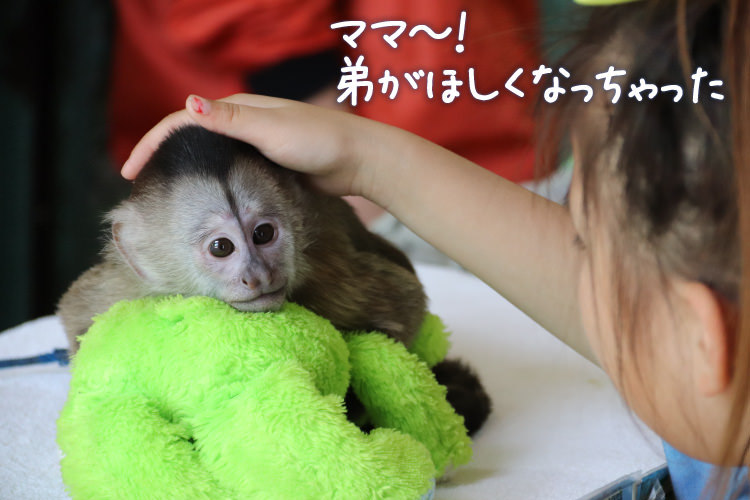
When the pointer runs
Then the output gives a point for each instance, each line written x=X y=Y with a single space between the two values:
x=251 y=283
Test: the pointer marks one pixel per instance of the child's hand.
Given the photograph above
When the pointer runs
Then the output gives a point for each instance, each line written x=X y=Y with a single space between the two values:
x=299 y=136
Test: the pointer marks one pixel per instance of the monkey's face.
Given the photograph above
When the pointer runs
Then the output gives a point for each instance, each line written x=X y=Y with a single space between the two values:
x=233 y=239
x=211 y=216
x=243 y=256
x=243 y=243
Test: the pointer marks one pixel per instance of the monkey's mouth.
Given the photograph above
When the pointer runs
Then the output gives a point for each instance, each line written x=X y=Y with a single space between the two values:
x=270 y=301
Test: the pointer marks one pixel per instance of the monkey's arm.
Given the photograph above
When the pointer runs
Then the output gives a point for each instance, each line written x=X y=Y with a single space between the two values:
x=364 y=240
x=517 y=242
x=363 y=291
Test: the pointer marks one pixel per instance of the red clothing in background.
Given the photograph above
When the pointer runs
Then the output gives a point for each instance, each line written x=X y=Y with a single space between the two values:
x=167 y=50
x=499 y=38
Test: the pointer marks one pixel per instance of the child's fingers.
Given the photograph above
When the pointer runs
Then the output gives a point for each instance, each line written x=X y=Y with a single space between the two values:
x=259 y=101
x=231 y=116
x=296 y=135
x=299 y=136
x=149 y=142
x=285 y=131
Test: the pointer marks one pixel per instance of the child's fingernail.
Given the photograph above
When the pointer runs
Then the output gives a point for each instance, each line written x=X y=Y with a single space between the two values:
x=200 y=105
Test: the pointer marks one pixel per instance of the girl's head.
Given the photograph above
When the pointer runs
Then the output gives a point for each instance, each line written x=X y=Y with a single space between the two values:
x=661 y=203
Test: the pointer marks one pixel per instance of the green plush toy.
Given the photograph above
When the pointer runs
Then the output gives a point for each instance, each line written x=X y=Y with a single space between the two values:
x=188 y=398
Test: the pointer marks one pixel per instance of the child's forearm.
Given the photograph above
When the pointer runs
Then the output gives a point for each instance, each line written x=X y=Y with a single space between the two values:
x=517 y=242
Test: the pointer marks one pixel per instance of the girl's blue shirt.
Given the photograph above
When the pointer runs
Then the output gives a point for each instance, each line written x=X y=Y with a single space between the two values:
x=690 y=476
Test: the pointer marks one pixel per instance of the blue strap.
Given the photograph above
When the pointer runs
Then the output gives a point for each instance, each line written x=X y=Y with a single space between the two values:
x=59 y=356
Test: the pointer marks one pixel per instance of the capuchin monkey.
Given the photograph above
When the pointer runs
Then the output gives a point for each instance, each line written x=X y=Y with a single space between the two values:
x=209 y=215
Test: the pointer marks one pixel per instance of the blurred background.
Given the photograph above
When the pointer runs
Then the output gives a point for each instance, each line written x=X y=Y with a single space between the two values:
x=82 y=80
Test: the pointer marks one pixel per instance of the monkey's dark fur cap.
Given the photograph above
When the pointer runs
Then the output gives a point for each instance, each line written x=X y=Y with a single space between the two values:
x=192 y=150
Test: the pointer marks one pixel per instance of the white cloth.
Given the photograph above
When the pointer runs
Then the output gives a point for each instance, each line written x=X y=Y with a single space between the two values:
x=558 y=429
x=30 y=401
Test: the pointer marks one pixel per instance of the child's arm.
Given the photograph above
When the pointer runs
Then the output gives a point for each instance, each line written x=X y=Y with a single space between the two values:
x=517 y=242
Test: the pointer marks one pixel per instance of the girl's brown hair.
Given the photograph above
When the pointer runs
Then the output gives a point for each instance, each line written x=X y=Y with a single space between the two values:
x=738 y=67
x=682 y=169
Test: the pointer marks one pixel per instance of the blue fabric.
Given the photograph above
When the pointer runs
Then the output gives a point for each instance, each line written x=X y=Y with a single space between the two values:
x=690 y=476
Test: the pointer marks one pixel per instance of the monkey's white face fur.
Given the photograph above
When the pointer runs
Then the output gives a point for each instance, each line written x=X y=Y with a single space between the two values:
x=233 y=241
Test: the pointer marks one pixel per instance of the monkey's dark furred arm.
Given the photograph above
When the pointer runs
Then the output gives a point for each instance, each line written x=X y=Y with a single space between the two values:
x=364 y=240
x=356 y=279
x=363 y=292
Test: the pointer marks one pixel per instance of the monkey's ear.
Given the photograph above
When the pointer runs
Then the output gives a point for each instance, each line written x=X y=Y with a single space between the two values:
x=124 y=246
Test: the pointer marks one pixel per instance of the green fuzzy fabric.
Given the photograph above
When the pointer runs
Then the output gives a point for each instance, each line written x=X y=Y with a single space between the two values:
x=188 y=398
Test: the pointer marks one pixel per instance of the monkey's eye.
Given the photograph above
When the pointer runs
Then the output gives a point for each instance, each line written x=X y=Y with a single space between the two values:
x=263 y=234
x=221 y=247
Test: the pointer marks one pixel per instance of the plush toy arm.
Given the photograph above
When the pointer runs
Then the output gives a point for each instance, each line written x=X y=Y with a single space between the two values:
x=278 y=437
x=120 y=446
x=431 y=344
x=400 y=392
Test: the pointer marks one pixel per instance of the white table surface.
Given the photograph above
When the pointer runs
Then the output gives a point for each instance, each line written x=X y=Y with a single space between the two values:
x=558 y=430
